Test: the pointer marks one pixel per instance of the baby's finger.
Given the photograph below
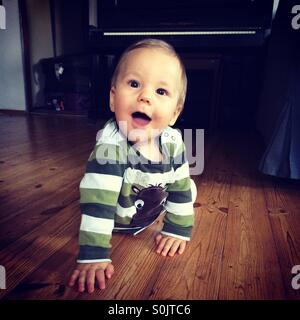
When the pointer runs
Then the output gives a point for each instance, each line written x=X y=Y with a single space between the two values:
x=161 y=245
x=167 y=246
x=90 y=280
x=182 y=247
x=100 y=278
x=81 y=281
x=158 y=238
x=74 y=277
x=174 y=248
x=109 y=271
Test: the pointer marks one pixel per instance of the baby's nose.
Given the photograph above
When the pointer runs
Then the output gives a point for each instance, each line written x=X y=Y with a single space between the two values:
x=145 y=97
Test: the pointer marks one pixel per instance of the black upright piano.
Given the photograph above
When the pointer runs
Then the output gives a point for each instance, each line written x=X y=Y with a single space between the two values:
x=221 y=41
x=185 y=23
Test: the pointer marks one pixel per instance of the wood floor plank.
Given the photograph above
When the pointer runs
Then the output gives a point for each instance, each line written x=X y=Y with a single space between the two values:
x=283 y=205
x=21 y=193
x=48 y=281
x=250 y=268
x=40 y=211
x=25 y=255
x=21 y=164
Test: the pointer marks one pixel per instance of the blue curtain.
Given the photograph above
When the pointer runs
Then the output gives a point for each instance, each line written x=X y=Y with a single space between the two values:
x=282 y=155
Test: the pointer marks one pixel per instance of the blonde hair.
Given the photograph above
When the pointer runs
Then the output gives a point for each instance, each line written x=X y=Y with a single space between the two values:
x=154 y=44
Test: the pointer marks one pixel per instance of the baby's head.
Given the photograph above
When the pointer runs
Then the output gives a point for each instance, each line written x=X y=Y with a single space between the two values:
x=148 y=88
x=155 y=44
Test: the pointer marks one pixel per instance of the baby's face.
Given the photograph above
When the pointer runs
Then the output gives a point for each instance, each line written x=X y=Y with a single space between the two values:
x=146 y=93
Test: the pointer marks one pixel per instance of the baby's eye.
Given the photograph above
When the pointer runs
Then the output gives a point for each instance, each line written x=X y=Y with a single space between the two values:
x=133 y=83
x=139 y=204
x=161 y=91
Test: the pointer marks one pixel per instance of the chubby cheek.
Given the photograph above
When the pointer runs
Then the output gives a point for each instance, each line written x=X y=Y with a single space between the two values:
x=163 y=118
x=160 y=116
x=122 y=109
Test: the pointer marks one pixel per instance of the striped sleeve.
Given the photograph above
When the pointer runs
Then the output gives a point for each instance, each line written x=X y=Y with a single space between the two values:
x=179 y=218
x=99 y=191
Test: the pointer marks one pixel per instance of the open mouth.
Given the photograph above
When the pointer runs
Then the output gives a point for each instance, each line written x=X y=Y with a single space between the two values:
x=140 y=118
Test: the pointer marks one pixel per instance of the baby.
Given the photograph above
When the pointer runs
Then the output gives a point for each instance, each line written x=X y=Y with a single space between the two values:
x=138 y=168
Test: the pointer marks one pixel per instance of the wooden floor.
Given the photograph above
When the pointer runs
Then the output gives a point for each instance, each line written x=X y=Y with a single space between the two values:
x=245 y=242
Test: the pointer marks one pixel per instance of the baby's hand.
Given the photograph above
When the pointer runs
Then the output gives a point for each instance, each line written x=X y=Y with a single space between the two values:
x=167 y=245
x=87 y=273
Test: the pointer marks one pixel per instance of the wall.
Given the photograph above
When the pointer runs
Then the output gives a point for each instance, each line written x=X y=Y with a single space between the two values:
x=69 y=26
x=40 y=34
x=68 y=34
x=93 y=13
x=12 y=90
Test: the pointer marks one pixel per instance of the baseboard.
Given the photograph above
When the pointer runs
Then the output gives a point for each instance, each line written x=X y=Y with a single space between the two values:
x=13 y=112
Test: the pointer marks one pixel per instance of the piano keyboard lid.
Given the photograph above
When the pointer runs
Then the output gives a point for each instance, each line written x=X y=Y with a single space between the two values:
x=178 y=17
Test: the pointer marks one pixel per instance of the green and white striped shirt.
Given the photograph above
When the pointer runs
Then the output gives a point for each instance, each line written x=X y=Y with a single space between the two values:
x=121 y=190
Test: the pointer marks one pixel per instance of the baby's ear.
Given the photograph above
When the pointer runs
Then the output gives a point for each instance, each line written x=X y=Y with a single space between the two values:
x=112 y=99
x=135 y=189
x=176 y=115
